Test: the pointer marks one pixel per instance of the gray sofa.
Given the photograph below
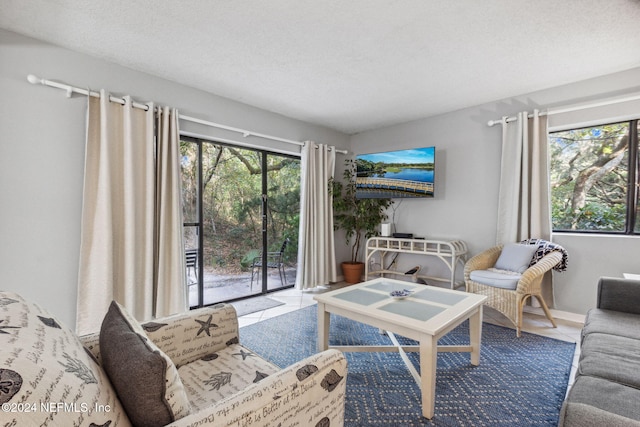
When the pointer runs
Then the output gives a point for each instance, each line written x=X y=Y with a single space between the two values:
x=606 y=391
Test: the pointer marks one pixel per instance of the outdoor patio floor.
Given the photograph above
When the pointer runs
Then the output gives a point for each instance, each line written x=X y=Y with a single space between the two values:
x=218 y=288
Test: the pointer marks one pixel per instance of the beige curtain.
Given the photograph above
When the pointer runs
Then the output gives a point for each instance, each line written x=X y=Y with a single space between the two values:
x=170 y=290
x=524 y=205
x=316 y=250
x=130 y=250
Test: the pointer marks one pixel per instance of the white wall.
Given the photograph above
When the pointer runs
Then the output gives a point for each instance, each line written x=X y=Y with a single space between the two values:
x=42 y=155
x=467 y=179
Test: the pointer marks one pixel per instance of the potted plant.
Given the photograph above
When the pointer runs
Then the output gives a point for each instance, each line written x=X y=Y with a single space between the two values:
x=359 y=218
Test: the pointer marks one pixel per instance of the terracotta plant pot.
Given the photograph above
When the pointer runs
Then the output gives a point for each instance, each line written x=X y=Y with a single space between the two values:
x=352 y=271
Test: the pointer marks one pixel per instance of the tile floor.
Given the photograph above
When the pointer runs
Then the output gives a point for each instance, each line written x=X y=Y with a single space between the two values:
x=295 y=299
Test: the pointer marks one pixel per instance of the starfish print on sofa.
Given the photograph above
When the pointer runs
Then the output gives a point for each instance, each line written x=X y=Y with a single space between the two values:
x=205 y=326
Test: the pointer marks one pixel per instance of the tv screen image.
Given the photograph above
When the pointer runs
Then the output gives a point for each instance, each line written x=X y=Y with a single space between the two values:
x=396 y=174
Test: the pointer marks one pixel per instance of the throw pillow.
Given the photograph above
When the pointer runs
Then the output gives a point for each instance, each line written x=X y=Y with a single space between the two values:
x=145 y=379
x=515 y=257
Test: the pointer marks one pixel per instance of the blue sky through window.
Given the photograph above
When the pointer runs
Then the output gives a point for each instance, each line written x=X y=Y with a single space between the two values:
x=417 y=155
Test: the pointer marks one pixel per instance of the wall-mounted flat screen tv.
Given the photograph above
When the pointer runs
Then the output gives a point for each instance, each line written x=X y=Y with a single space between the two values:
x=396 y=174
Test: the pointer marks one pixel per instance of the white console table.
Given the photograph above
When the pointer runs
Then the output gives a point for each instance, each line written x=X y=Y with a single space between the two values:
x=450 y=252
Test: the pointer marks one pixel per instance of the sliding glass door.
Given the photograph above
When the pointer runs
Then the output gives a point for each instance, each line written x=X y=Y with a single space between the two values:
x=241 y=210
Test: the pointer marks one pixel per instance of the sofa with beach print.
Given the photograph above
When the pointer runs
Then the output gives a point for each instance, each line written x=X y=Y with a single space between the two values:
x=184 y=370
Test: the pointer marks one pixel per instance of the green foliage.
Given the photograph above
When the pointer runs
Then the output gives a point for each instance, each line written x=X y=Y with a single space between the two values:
x=589 y=172
x=247 y=259
x=357 y=217
x=232 y=203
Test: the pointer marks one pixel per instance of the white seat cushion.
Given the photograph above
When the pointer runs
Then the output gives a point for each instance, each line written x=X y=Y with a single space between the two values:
x=222 y=374
x=496 y=278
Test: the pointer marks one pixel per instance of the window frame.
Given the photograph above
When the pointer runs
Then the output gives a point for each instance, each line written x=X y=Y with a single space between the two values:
x=199 y=142
x=633 y=183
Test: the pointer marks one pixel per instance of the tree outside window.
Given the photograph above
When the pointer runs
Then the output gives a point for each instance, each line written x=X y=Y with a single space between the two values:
x=594 y=179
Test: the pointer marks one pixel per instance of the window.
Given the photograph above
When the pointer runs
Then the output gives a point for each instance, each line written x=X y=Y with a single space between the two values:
x=239 y=205
x=594 y=179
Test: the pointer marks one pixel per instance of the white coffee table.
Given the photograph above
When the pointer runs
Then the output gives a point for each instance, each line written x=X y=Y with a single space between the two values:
x=425 y=316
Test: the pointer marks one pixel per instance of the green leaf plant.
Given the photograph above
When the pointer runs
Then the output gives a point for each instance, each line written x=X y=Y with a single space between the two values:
x=357 y=217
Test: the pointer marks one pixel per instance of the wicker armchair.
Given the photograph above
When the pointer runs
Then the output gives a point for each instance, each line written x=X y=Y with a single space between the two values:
x=510 y=302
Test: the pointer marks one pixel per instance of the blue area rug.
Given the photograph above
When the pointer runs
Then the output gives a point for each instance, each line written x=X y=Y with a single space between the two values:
x=520 y=381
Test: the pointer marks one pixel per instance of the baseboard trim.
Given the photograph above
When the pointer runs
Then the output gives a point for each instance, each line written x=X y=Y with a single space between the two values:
x=557 y=314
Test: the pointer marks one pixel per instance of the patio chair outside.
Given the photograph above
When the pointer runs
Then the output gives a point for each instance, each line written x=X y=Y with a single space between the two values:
x=191 y=258
x=274 y=260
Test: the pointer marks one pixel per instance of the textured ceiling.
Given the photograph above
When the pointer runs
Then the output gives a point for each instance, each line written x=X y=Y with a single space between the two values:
x=351 y=65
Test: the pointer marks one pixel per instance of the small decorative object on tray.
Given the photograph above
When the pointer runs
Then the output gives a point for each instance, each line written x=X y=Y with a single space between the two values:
x=401 y=294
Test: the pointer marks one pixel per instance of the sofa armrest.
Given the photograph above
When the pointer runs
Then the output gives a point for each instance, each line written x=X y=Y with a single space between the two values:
x=188 y=336
x=619 y=295
x=308 y=393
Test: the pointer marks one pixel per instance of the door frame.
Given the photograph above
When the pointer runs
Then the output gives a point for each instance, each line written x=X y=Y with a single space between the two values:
x=199 y=141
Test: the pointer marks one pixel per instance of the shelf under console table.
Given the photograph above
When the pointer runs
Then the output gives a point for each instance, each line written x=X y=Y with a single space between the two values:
x=451 y=252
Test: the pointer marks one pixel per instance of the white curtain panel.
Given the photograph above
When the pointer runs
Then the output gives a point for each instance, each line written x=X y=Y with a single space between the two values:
x=170 y=290
x=118 y=243
x=524 y=204
x=524 y=200
x=316 y=250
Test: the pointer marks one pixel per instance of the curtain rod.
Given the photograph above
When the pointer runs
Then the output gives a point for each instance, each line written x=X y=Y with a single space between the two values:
x=245 y=133
x=551 y=112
